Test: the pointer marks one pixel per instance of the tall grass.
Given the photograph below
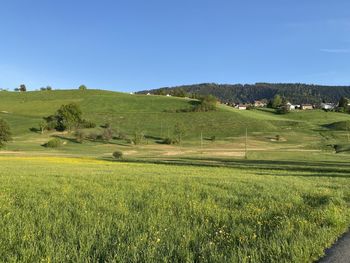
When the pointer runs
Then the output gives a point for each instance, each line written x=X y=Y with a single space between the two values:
x=76 y=210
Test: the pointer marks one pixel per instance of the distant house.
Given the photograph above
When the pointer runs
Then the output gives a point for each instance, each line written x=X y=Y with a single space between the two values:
x=148 y=94
x=327 y=106
x=259 y=104
x=241 y=106
x=307 y=107
x=168 y=95
x=291 y=106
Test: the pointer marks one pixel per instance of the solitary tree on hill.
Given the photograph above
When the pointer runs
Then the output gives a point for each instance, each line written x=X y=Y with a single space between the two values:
x=82 y=87
x=276 y=101
x=68 y=116
x=22 y=88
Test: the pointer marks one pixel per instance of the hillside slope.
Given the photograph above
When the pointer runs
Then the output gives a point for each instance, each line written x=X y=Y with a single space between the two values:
x=129 y=112
x=156 y=117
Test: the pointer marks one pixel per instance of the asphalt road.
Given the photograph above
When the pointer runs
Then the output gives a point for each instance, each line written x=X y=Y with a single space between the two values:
x=340 y=252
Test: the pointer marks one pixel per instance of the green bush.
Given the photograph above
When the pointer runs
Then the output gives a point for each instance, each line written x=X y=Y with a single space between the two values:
x=138 y=137
x=107 y=134
x=282 y=110
x=170 y=141
x=92 y=136
x=118 y=155
x=87 y=124
x=5 y=133
x=80 y=136
x=53 y=143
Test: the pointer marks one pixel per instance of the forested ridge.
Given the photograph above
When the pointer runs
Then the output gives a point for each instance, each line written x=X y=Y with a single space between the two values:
x=239 y=93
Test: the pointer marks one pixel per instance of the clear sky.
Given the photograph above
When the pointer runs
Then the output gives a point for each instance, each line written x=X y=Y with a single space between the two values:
x=139 y=44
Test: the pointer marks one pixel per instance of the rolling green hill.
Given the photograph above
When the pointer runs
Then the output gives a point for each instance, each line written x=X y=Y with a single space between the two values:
x=129 y=112
x=269 y=188
x=156 y=117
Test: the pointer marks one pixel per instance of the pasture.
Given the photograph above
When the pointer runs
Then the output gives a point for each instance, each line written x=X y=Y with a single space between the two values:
x=279 y=194
x=82 y=210
x=156 y=116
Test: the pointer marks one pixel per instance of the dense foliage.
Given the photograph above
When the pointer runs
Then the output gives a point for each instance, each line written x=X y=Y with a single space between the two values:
x=53 y=143
x=238 y=93
x=118 y=155
x=5 y=133
x=67 y=117
x=82 y=87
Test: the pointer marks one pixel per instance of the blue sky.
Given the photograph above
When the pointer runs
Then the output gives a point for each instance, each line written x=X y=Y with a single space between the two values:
x=139 y=44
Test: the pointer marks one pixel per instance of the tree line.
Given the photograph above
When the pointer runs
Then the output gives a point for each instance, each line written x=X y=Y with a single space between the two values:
x=238 y=93
x=23 y=88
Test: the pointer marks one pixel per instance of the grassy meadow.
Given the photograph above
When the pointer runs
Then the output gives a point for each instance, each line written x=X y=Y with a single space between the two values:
x=82 y=210
x=156 y=117
x=284 y=200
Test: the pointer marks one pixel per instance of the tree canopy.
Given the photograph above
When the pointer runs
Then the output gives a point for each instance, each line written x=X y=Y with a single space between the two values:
x=68 y=116
x=5 y=132
x=297 y=93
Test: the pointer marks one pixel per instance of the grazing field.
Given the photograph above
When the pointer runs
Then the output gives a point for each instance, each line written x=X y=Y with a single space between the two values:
x=280 y=193
x=156 y=116
x=82 y=210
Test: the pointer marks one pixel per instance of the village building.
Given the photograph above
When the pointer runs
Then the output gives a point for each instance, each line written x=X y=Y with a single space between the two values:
x=327 y=106
x=241 y=106
x=307 y=107
x=291 y=106
x=259 y=104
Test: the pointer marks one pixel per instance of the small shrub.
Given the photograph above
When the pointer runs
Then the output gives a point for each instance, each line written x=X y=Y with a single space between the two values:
x=213 y=138
x=51 y=122
x=53 y=143
x=278 y=137
x=118 y=155
x=121 y=136
x=5 y=132
x=92 y=136
x=138 y=137
x=107 y=125
x=170 y=141
x=282 y=110
x=107 y=134
x=87 y=124
x=80 y=136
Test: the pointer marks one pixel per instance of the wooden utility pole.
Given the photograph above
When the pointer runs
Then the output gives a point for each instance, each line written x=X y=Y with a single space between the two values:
x=201 y=140
x=246 y=142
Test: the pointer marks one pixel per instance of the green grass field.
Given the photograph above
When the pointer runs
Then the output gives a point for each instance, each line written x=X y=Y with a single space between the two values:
x=283 y=200
x=80 y=210
x=156 y=117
